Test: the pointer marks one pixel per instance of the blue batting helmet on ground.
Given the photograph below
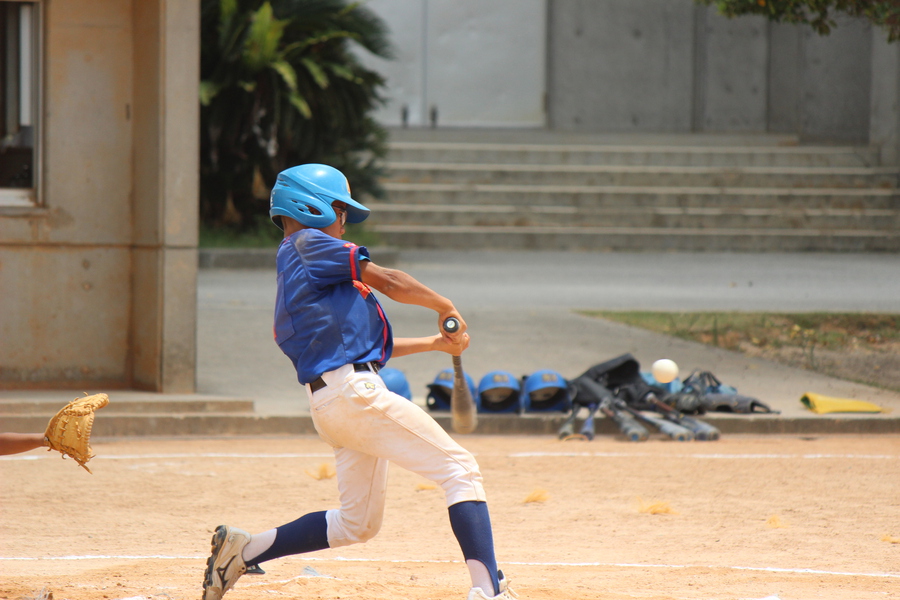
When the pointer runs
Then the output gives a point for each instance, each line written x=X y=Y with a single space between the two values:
x=396 y=381
x=441 y=390
x=545 y=390
x=305 y=193
x=498 y=391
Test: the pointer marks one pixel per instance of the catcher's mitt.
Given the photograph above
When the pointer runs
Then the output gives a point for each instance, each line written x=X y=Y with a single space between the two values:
x=69 y=431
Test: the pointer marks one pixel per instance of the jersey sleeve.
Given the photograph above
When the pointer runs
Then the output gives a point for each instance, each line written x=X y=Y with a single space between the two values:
x=328 y=260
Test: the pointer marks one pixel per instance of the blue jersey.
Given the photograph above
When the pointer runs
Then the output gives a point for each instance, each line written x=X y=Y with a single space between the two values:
x=325 y=316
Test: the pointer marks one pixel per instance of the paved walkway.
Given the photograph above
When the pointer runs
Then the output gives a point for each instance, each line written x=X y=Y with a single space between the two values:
x=519 y=307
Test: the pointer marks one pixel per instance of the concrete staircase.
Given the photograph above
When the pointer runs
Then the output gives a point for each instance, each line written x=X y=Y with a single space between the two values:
x=543 y=191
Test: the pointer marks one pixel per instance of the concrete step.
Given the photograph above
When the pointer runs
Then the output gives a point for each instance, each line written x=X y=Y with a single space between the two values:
x=217 y=425
x=614 y=238
x=48 y=408
x=633 y=155
x=115 y=424
x=499 y=215
x=630 y=196
x=643 y=175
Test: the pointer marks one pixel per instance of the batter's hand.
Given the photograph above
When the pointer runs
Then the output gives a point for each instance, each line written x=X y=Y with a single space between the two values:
x=455 y=336
x=443 y=344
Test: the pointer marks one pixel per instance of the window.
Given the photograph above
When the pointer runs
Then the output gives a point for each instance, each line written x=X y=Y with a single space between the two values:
x=19 y=102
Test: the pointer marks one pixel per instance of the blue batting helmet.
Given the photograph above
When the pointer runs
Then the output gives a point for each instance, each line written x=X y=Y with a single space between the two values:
x=305 y=193
x=498 y=391
x=441 y=390
x=545 y=390
x=396 y=381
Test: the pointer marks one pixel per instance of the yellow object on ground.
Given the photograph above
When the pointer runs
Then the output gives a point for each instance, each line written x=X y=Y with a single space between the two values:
x=826 y=404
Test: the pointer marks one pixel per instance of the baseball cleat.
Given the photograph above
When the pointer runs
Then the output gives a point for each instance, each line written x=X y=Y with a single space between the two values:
x=225 y=566
x=505 y=593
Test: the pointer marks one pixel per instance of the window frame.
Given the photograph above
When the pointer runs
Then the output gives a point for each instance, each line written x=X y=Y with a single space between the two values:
x=31 y=197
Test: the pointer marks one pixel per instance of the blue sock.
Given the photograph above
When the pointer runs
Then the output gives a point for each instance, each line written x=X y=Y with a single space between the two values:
x=471 y=524
x=307 y=534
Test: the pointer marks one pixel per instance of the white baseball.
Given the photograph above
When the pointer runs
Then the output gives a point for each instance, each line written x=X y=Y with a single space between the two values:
x=664 y=370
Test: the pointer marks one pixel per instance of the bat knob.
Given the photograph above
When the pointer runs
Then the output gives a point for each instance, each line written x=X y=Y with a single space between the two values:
x=451 y=325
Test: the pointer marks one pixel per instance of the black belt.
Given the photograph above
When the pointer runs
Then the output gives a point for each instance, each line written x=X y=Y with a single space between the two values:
x=319 y=383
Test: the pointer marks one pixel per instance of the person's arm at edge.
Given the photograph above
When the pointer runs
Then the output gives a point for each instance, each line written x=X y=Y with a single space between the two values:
x=15 y=443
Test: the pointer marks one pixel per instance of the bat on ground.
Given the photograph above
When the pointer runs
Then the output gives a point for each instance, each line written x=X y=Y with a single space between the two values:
x=626 y=423
x=702 y=430
x=673 y=430
x=464 y=418
x=567 y=429
x=587 y=428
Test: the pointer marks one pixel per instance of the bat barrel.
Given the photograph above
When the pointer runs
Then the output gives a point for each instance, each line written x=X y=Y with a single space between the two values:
x=632 y=430
x=676 y=432
x=702 y=431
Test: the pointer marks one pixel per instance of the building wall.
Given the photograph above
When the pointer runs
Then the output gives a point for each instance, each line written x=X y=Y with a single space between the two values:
x=90 y=279
x=669 y=65
x=632 y=65
x=620 y=65
x=469 y=63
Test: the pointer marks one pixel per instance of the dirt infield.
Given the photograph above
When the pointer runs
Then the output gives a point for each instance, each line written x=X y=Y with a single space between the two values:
x=749 y=517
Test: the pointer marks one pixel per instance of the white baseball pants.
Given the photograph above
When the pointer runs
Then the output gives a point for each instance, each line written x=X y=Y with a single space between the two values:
x=369 y=426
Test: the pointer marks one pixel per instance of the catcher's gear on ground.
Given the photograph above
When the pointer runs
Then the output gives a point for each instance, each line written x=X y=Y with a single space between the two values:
x=702 y=392
x=69 y=431
x=225 y=564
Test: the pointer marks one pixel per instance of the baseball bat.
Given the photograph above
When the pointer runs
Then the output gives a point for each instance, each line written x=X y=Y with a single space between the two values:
x=568 y=427
x=464 y=418
x=587 y=428
x=627 y=424
x=673 y=430
x=702 y=430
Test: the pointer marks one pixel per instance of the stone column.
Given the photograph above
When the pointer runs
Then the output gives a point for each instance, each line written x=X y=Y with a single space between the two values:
x=165 y=195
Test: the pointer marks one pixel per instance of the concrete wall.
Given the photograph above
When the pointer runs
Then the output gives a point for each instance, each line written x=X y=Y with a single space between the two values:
x=620 y=65
x=884 y=124
x=99 y=281
x=474 y=63
x=634 y=65
x=668 y=65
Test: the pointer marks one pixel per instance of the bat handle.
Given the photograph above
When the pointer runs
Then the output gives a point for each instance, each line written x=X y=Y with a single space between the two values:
x=451 y=324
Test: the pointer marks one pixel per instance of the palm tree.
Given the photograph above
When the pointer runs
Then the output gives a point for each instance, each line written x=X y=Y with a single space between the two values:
x=279 y=87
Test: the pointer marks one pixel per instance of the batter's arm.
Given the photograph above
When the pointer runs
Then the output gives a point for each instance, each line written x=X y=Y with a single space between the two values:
x=406 y=289
x=407 y=346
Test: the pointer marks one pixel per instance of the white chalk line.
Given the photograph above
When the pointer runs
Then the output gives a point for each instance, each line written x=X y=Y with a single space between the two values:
x=716 y=456
x=699 y=456
x=177 y=455
x=519 y=563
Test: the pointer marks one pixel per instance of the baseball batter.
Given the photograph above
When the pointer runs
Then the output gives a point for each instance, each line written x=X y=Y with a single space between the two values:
x=332 y=327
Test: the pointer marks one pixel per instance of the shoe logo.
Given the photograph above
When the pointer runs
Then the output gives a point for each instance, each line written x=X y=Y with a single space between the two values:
x=370 y=386
x=222 y=570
